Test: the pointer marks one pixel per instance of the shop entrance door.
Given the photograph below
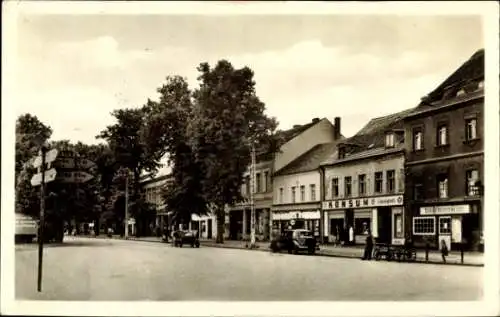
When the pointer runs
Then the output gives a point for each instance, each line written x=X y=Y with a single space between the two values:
x=444 y=233
x=209 y=228
x=384 y=225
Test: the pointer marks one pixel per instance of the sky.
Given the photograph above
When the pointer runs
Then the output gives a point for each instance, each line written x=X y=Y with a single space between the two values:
x=75 y=69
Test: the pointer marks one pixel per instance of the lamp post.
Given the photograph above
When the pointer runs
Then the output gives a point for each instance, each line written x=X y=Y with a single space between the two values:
x=252 y=198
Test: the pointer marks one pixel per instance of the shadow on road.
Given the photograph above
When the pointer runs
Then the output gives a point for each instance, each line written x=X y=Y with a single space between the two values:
x=68 y=244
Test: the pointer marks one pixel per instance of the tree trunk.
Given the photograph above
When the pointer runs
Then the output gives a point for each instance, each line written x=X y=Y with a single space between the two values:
x=220 y=219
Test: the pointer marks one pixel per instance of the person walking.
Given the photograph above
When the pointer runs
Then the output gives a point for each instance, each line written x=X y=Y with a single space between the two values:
x=444 y=250
x=368 y=247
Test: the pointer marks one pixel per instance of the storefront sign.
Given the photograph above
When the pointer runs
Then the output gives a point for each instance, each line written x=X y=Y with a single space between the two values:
x=295 y=215
x=364 y=202
x=445 y=210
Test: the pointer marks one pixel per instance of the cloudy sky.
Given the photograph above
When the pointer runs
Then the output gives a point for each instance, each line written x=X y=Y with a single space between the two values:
x=74 y=70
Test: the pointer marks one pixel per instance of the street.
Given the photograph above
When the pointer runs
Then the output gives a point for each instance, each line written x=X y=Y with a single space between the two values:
x=102 y=269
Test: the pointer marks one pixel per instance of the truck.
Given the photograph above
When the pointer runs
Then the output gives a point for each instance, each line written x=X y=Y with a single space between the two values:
x=26 y=228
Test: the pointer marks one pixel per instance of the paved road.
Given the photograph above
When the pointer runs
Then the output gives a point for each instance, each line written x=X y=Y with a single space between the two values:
x=91 y=269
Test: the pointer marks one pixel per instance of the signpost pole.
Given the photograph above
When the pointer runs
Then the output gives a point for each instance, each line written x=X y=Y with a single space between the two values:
x=42 y=220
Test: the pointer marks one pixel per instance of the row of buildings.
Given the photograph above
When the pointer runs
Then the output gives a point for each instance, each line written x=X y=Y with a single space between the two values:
x=413 y=174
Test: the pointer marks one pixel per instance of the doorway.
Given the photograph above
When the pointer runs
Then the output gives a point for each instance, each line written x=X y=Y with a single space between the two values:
x=209 y=229
x=384 y=225
x=444 y=233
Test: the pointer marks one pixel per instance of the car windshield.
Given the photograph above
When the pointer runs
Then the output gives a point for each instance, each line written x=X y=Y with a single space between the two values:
x=302 y=233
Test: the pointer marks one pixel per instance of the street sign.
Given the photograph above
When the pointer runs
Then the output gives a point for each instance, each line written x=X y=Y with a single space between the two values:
x=75 y=177
x=72 y=162
x=50 y=175
x=50 y=156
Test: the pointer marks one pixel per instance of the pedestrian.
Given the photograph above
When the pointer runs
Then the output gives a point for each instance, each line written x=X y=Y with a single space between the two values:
x=444 y=250
x=337 y=236
x=351 y=235
x=368 y=247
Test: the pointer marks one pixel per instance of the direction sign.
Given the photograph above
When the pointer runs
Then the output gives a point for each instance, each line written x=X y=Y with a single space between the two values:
x=75 y=177
x=50 y=156
x=50 y=175
x=72 y=162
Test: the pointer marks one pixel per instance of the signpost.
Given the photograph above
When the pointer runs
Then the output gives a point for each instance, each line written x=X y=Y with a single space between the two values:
x=72 y=173
x=40 y=179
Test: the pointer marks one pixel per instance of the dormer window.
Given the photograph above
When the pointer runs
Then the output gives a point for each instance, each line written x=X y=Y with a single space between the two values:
x=341 y=152
x=389 y=139
x=460 y=92
x=480 y=85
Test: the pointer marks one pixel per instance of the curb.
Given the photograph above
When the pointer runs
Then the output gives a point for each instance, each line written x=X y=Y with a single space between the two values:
x=266 y=249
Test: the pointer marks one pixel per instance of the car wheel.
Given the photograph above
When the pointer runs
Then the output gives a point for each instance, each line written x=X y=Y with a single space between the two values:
x=197 y=245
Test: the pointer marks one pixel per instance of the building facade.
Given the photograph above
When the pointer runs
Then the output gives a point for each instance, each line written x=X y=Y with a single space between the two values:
x=364 y=184
x=152 y=188
x=297 y=186
x=445 y=160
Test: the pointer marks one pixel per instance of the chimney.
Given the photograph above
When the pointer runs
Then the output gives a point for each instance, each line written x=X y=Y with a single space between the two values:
x=315 y=120
x=336 y=127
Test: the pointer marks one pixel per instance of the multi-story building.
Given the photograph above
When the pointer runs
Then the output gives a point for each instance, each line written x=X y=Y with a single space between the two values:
x=445 y=160
x=297 y=180
x=363 y=182
x=152 y=188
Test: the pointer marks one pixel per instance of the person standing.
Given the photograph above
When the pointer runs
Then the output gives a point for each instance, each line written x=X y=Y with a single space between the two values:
x=351 y=235
x=444 y=250
x=368 y=247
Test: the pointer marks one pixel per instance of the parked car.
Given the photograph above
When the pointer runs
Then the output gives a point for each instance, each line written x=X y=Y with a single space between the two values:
x=295 y=241
x=186 y=237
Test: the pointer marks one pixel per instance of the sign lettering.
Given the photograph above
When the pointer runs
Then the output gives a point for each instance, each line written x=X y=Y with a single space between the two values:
x=364 y=202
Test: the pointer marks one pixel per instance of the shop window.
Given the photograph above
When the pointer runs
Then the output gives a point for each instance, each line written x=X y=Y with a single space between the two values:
x=398 y=226
x=470 y=129
x=444 y=225
x=424 y=226
x=362 y=184
x=442 y=135
x=361 y=226
x=293 y=194
x=312 y=187
x=391 y=181
x=335 y=187
x=302 y=193
x=258 y=183
x=281 y=195
x=472 y=177
x=348 y=186
x=442 y=181
x=417 y=140
x=379 y=179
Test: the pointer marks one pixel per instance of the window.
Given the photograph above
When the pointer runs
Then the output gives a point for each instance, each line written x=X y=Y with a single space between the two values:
x=247 y=183
x=341 y=152
x=361 y=225
x=442 y=135
x=472 y=178
x=281 y=195
x=379 y=178
x=442 y=181
x=460 y=92
x=418 y=193
x=424 y=226
x=258 y=184
x=480 y=85
x=389 y=140
x=391 y=181
x=444 y=225
x=362 y=184
x=398 y=226
x=302 y=193
x=313 y=191
x=417 y=140
x=347 y=186
x=266 y=181
x=335 y=187
x=293 y=194
x=470 y=129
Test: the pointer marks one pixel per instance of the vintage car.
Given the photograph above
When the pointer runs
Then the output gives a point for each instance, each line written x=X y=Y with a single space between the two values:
x=185 y=237
x=295 y=241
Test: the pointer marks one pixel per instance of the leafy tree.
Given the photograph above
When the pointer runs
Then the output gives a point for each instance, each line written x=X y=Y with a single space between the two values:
x=227 y=118
x=30 y=134
x=166 y=128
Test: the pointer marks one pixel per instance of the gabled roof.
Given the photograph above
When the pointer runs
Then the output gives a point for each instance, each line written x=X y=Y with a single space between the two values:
x=310 y=160
x=472 y=69
x=370 y=140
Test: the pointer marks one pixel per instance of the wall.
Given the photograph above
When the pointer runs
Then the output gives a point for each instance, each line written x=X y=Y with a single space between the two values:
x=368 y=167
x=322 y=132
x=455 y=118
x=287 y=181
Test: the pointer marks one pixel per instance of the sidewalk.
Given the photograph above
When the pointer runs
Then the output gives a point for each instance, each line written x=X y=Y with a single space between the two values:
x=454 y=258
